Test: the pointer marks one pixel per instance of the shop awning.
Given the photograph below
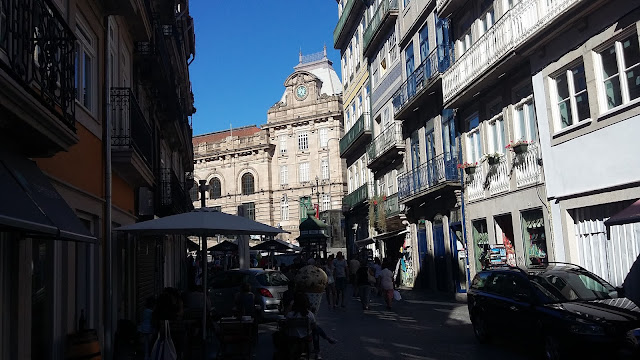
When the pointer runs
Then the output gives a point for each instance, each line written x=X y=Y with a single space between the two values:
x=391 y=234
x=31 y=203
x=630 y=214
x=364 y=242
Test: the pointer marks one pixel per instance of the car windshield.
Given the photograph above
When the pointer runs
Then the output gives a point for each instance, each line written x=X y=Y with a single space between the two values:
x=272 y=278
x=571 y=285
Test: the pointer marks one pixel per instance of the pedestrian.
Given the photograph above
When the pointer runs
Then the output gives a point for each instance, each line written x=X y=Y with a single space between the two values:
x=301 y=308
x=354 y=265
x=386 y=283
x=377 y=269
x=363 y=283
x=244 y=302
x=341 y=269
x=146 y=327
x=331 y=284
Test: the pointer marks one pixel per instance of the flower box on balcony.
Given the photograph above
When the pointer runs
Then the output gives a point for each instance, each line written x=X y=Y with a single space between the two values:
x=469 y=168
x=518 y=147
x=493 y=159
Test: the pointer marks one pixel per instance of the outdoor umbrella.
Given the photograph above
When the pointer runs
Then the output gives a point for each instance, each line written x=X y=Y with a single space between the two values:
x=203 y=222
x=276 y=245
x=225 y=246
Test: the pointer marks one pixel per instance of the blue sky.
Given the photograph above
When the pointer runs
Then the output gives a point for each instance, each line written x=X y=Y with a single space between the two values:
x=245 y=49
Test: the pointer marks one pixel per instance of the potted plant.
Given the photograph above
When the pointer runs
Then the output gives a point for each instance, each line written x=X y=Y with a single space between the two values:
x=493 y=159
x=518 y=147
x=469 y=168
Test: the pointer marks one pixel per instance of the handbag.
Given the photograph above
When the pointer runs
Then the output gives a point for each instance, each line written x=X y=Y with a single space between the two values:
x=396 y=295
x=163 y=349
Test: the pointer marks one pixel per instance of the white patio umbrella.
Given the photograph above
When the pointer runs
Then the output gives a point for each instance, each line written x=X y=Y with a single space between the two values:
x=203 y=222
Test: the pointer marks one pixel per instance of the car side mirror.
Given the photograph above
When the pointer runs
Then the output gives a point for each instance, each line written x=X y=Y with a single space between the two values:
x=620 y=291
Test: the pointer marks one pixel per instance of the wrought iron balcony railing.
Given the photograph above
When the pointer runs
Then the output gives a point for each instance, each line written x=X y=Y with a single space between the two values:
x=361 y=125
x=517 y=26
x=437 y=62
x=384 y=9
x=37 y=48
x=390 y=137
x=440 y=169
x=173 y=194
x=129 y=127
x=358 y=196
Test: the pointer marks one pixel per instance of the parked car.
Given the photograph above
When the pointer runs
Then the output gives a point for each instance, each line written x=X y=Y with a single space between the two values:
x=267 y=286
x=558 y=308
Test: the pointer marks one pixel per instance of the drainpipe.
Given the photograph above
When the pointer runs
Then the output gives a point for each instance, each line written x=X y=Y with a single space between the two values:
x=464 y=222
x=108 y=241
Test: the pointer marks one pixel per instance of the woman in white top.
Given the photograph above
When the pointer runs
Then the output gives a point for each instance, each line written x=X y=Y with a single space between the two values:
x=386 y=284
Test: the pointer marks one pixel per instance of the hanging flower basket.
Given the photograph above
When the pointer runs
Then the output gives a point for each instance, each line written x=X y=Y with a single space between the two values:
x=493 y=159
x=519 y=147
x=469 y=168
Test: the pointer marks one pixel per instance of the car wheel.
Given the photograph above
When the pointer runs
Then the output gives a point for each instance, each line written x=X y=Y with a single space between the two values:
x=552 y=349
x=480 y=329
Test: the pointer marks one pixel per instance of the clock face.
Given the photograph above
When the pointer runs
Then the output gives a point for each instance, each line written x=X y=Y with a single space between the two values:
x=301 y=92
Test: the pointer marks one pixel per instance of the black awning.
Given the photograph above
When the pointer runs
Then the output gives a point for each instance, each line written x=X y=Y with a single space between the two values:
x=628 y=215
x=29 y=202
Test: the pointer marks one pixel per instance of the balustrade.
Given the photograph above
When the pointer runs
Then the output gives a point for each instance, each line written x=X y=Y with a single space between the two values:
x=129 y=127
x=526 y=167
x=433 y=172
x=361 y=125
x=498 y=176
x=385 y=7
x=390 y=137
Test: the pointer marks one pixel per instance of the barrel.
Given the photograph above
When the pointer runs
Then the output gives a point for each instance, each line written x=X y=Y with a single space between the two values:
x=83 y=346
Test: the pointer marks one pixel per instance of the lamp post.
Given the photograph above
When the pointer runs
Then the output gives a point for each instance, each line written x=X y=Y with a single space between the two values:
x=317 y=195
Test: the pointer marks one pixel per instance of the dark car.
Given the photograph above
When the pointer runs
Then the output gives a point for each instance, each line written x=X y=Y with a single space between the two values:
x=267 y=286
x=558 y=308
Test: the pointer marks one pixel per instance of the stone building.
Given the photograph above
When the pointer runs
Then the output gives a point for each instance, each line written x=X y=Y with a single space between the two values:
x=275 y=172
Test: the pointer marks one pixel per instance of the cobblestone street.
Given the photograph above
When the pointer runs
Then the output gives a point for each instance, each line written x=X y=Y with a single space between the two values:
x=421 y=326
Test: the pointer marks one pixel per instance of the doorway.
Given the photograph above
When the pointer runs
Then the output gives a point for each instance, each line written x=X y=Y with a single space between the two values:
x=504 y=235
x=439 y=253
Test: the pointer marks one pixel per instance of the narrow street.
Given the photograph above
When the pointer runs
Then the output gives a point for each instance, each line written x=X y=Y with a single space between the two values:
x=421 y=326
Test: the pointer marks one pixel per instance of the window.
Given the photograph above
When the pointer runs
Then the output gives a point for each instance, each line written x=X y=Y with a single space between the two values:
x=375 y=78
x=534 y=237
x=86 y=77
x=326 y=202
x=324 y=137
x=525 y=118
x=215 y=189
x=473 y=144
x=406 y=3
x=283 y=144
x=347 y=120
x=247 y=210
x=357 y=47
x=363 y=172
x=620 y=65
x=350 y=180
x=359 y=105
x=393 y=48
x=284 y=174
x=194 y=192
x=486 y=20
x=350 y=57
x=324 y=169
x=305 y=204
x=495 y=130
x=356 y=176
x=386 y=118
x=247 y=184
x=408 y=62
x=424 y=42
x=303 y=141
x=284 y=208
x=303 y=176
x=571 y=97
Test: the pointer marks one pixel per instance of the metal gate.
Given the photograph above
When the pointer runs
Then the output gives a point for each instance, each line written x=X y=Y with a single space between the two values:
x=611 y=255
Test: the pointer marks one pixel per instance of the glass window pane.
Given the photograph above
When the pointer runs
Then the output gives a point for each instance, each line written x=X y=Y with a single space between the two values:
x=579 y=80
x=533 y=134
x=633 y=81
x=612 y=90
x=565 y=114
x=631 y=51
x=520 y=131
x=87 y=81
x=501 y=141
x=582 y=103
x=609 y=64
x=562 y=87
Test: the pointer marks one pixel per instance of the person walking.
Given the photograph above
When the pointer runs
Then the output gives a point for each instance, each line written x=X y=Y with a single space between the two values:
x=364 y=280
x=341 y=269
x=329 y=269
x=386 y=283
x=354 y=265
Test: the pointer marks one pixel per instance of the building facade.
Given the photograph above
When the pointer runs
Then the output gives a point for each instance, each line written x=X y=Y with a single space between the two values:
x=89 y=144
x=275 y=173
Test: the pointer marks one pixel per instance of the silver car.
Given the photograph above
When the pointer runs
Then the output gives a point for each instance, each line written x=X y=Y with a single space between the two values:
x=267 y=286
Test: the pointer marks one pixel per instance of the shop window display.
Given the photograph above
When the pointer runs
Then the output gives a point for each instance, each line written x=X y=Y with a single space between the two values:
x=481 y=244
x=535 y=242
x=504 y=234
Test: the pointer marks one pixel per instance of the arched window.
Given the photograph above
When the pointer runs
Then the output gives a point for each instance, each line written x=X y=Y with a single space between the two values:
x=194 y=192
x=247 y=184
x=215 y=189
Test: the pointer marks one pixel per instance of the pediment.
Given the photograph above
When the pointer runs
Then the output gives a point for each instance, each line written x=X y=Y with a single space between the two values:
x=300 y=77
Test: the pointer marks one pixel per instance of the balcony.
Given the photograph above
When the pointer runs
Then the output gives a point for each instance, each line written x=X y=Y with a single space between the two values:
x=392 y=206
x=435 y=174
x=422 y=79
x=174 y=199
x=356 y=137
x=526 y=166
x=445 y=8
x=509 y=34
x=341 y=32
x=381 y=20
x=386 y=147
x=357 y=197
x=38 y=61
x=131 y=139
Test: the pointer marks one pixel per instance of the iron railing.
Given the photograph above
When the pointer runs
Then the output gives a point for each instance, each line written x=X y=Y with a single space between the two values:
x=390 y=137
x=129 y=127
x=357 y=196
x=440 y=169
x=436 y=63
x=361 y=125
x=384 y=9
x=37 y=48
x=173 y=194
